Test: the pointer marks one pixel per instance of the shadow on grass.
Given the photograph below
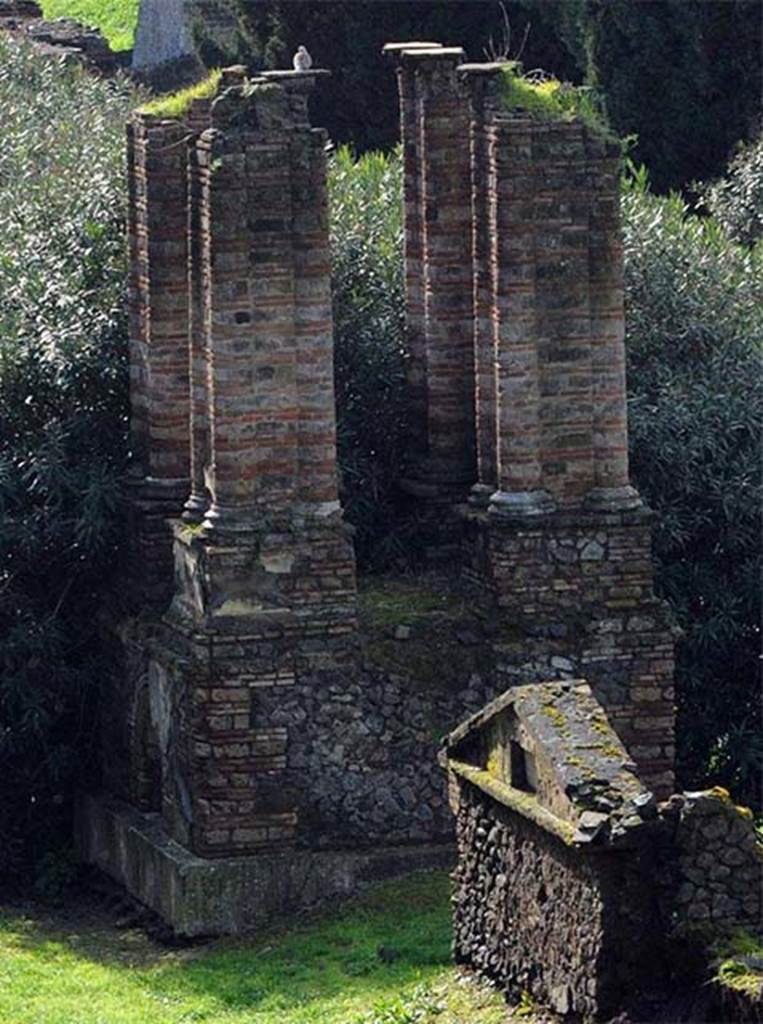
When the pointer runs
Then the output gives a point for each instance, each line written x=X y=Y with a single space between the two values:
x=329 y=968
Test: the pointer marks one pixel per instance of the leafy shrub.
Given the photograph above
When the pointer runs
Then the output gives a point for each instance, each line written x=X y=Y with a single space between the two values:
x=736 y=201
x=695 y=339
x=369 y=311
x=63 y=408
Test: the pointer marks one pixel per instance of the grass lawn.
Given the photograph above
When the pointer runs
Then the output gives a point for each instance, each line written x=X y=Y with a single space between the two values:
x=115 y=18
x=76 y=968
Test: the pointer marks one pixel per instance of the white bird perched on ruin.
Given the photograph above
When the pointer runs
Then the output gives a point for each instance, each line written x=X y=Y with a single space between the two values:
x=302 y=59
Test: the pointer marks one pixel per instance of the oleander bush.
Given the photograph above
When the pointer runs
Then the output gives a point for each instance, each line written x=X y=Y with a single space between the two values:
x=695 y=342
x=736 y=200
x=369 y=307
x=63 y=414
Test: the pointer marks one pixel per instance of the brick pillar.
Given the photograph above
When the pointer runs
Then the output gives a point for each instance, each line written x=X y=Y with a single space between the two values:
x=252 y=357
x=482 y=84
x=413 y=241
x=434 y=111
x=563 y=547
x=265 y=589
x=561 y=213
x=317 y=479
x=611 y=488
x=158 y=340
x=198 y=311
x=514 y=306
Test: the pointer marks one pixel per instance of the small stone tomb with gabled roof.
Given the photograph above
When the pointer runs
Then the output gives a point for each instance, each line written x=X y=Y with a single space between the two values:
x=553 y=853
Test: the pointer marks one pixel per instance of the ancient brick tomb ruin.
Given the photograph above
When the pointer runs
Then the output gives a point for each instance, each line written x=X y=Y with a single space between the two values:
x=257 y=757
x=251 y=762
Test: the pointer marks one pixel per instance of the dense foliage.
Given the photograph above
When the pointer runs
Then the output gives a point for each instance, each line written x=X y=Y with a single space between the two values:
x=681 y=75
x=366 y=246
x=737 y=200
x=63 y=404
x=695 y=348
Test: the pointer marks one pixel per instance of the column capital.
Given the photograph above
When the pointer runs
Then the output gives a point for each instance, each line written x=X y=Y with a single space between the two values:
x=395 y=50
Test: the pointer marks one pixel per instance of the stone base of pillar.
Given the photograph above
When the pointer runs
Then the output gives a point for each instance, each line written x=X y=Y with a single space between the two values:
x=232 y=895
x=298 y=566
x=519 y=505
x=581 y=583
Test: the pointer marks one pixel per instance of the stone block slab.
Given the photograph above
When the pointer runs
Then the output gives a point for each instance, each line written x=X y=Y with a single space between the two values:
x=234 y=895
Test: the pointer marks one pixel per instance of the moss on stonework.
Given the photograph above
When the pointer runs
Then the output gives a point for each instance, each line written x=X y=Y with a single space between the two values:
x=600 y=725
x=421 y=629
x=552 y=712
x=177 y=104
x=740 y=964
x=610 y=750
x=391 y=602
x=547 y=99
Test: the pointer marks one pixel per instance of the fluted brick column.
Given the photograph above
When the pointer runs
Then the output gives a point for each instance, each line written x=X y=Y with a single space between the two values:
x=561 y=213
x=517 y=415
x=413 y=240
x=316 y=435
x=198 y=312
x=252 y=358
x=434 y=111
x=158 y=319
x=482 y=85
x=607 y=331
x=158 y=342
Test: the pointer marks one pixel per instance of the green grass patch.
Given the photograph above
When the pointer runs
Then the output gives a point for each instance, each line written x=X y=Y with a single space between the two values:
x=548 y=99
x=382 y=960
x=178 y=103
x=115 y=18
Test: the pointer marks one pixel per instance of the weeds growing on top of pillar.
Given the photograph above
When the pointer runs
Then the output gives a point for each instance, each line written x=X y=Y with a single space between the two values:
x=546 y=98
